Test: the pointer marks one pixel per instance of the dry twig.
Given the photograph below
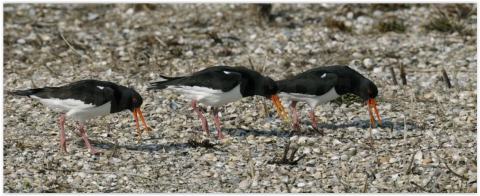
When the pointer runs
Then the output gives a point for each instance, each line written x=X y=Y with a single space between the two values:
x=454 y=173
x=403 y=75
x=71 y=47
x=446 y=79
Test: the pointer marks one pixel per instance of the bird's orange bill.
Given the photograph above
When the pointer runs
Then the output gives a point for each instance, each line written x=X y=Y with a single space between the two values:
x=371 y=103
x=281 y=111
x=135 y=111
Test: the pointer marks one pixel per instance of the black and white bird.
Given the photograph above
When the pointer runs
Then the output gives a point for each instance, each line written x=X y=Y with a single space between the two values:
x=86 y=99
x=323 y=84
x=220 y=85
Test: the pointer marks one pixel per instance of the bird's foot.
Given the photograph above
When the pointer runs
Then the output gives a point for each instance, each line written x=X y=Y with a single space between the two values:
x=63 y=146
x=221 y=136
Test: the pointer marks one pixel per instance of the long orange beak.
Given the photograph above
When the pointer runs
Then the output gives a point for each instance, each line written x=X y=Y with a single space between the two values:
x=371 y=103
x=281 y=111
x=135 y=111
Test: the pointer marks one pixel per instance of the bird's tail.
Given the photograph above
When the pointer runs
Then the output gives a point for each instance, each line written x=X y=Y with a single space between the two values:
x=27 y=92
x=164 y=83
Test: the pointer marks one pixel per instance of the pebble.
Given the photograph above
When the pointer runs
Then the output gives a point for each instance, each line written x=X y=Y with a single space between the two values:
x=301 y=184
x=244 y=184
x=77 y=180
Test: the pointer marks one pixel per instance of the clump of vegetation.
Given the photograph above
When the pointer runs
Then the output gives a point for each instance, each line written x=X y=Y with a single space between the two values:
x=394 y=25
x=144 y=6
x=452 y=18
x=389 y=6
x=204 y=143
x=260 y=11
x=287 y=161
x=337 y=25
x=347 y=99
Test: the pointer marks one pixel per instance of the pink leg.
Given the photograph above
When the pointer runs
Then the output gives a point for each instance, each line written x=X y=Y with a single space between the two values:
x=215 y=116
x=63 y=139
x=92 y=150
x=296 y=125
x=314 y=123
x=204 y=121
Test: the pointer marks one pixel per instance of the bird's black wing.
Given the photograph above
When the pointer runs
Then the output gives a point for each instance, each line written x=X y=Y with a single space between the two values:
x=89 y=92
x=218 y=80
x=317 y=83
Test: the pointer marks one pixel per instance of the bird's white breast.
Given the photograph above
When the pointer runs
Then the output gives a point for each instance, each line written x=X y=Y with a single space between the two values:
x=75 y=108
x=312 y=100
x=208 y=96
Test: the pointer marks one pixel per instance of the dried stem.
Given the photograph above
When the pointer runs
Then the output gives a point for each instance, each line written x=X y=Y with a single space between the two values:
x=365 y=185
x=250 y=164
x=410 y=164
x=71 y=47
x=454 y=173
x=284 y=158
x=394 y=78
x=403 y=75
x=292 y=155
x=115 y=147
x=418 y=186
x=161 y=42
x=446 y=79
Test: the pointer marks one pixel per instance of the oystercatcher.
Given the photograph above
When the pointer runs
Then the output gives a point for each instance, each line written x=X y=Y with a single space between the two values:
x=219 y=85
x=87 y=99
x=323 y=84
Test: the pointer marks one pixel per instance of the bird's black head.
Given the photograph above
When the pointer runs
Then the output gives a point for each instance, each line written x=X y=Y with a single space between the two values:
x=130 y=99
x=367 y=89
x=266 y=87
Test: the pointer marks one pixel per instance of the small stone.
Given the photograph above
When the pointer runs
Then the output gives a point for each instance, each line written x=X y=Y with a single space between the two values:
x=415 y=140
x=77 y=180
x=301 y=184
x=267 y=140
x=462 y=170
x=189 y=53
x=318 y=175
x=244 y=184
x=295 y=190
x=418 y=156
x=352 y=129
x=206 y=174
x=385 y=159
x=82 y=174
x=344 y=157
x=250 y=137
x=392 y=160
x=427 y=160
x=210 y=157
x=368 y=62
x=302 y=140
x=377 y=70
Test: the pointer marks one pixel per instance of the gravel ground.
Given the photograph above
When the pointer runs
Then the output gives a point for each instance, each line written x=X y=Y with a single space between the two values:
x=427 y=144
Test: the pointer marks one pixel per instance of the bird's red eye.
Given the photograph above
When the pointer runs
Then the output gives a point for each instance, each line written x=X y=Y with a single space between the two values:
x=369 y=91
x=270 y=87
x=134 y=100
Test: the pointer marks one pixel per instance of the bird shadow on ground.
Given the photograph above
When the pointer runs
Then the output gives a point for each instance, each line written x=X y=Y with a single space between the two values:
x=365 y=124
x=145 y=147
x=243 y=134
